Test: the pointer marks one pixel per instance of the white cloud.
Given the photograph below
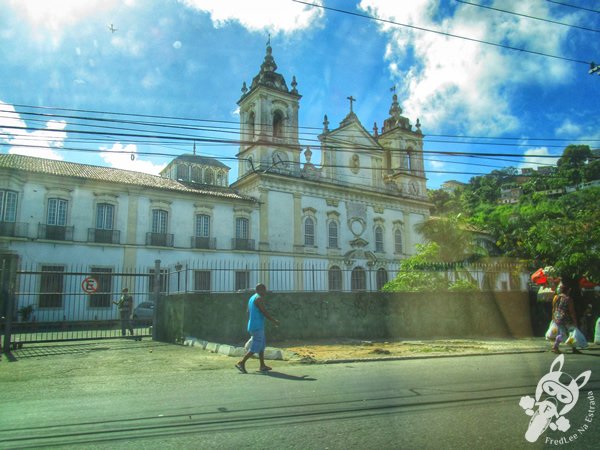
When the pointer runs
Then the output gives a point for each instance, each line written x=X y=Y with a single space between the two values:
x=568 y=128
x=533 y=162
x=177 y=45
x=260 y=15
x=119 y=157
x=467 y=85
x=50 y=18
x=40 y=143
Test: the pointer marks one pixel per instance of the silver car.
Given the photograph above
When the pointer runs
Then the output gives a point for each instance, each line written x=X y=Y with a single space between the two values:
x=144 y=311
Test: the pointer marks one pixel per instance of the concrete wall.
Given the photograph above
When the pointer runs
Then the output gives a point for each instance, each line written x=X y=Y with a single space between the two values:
x=222 y=317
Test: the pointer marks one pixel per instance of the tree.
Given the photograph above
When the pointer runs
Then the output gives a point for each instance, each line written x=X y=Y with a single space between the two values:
x=424 y=272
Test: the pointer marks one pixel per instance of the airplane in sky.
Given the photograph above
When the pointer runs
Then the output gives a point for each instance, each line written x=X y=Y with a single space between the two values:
x=112 y=28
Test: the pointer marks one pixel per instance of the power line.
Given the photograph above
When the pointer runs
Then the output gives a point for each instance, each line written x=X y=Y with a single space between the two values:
x=235 y=130
x=528 y=16
x=574 y=6
x=187 y=126
x=443 y=33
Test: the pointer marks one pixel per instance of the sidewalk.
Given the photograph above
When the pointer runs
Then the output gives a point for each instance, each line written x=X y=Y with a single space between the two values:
x=346 y=350
x=127 y=357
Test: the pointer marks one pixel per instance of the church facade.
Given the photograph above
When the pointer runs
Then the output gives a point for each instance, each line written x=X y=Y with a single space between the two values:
x=343 y=224
x=355 y=212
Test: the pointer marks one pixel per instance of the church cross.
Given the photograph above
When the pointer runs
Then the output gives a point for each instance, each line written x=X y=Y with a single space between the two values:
x=352 y=99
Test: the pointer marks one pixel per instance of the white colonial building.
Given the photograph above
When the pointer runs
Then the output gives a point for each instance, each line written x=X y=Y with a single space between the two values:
x=344 y=224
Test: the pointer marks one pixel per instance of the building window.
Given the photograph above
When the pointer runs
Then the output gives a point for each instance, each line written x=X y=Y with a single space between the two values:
x=220 y=179
x=398 y=241
x=202 y=280
x=182 y=172
x=196 y=174
x=382 y=278
x=278 y=124
x=241 y=228
x=309 y=231
x=379 y=239
x=51 y=286
x=202 y=225
x=209 y=176
x=104 y=216
x=8 y=206
x=332 y=229
x=358 y=279
x=335 y=278
x=242 y=280
x=102 y=297
x=57 y=212
x=159 y=221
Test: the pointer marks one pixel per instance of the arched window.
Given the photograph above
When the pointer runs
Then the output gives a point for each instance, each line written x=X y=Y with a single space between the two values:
x=382 y=278
x=398 y=241
x=309 y=231
x=105 y=214
x=241 y=228
x=278 y=124
x=160 y=220
x=202 y=225
x=196 y=174
x=358 y=281
x=251 y=126
x=220 y=179
x=209 y=176
x=332 y=232
x=335 y=278
x=379 y=239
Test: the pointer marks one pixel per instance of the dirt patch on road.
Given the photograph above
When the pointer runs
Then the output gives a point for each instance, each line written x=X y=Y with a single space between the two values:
x=320 y=351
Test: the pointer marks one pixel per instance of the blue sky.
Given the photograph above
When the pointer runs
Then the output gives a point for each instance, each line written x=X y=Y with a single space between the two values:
x=187 y=59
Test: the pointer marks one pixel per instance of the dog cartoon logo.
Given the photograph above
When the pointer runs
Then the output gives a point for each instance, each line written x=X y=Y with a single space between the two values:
x=556 y=394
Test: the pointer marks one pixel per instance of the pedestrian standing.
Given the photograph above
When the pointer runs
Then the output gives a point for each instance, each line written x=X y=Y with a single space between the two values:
x=256 y=327
x=563 y=316
x=125 y=305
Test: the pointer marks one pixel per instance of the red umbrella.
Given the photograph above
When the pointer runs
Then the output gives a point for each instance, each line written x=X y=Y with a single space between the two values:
x=539 y=277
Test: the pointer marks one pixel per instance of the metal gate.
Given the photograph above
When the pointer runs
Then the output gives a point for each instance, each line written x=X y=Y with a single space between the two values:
x=55 y=302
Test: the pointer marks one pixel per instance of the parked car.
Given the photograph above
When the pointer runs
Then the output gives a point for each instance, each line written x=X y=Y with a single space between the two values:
x=144 y=311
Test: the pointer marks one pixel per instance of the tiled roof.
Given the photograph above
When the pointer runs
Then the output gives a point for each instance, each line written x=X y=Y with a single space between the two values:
x=111 y=175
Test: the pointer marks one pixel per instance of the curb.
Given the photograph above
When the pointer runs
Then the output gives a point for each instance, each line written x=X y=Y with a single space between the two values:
x=230 y=350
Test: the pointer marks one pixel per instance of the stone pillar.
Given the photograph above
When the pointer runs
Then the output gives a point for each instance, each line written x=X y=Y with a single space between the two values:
x=263 y=222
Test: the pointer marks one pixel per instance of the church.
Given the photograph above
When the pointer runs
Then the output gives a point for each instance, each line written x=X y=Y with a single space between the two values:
x=343 y=224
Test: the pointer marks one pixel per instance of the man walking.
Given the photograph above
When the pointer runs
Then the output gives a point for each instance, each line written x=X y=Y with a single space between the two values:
x=256 y=327
x=125 y=305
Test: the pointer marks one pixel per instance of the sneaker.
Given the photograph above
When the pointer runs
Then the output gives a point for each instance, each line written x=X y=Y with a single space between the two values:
x=555 y=350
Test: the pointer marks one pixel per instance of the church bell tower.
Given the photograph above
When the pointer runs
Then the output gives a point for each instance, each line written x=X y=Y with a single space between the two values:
x=269 y=122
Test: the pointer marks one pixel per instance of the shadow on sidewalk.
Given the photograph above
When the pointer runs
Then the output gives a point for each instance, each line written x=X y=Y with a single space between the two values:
x=285 y=376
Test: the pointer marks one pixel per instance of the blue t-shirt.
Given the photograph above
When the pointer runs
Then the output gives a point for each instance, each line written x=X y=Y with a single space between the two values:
x=256 y=319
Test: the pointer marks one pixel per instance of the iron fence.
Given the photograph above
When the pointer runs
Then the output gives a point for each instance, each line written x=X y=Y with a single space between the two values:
x=53 y=302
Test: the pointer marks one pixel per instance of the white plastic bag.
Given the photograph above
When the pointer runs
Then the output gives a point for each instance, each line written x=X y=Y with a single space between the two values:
x=576 y=338
x=552 y=331
x=248 y=344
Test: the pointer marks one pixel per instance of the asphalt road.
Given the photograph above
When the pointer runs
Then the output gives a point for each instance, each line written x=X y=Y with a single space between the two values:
x=459 y=402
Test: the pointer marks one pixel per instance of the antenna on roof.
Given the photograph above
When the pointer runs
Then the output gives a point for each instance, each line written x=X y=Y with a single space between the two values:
x=194 y=148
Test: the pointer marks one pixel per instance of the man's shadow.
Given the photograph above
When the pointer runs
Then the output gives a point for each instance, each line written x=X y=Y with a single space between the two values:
x=285 y=376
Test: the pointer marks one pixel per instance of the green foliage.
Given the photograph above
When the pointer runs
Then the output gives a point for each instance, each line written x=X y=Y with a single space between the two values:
x=425 y=272
x=463 y=286
x=543 y=228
